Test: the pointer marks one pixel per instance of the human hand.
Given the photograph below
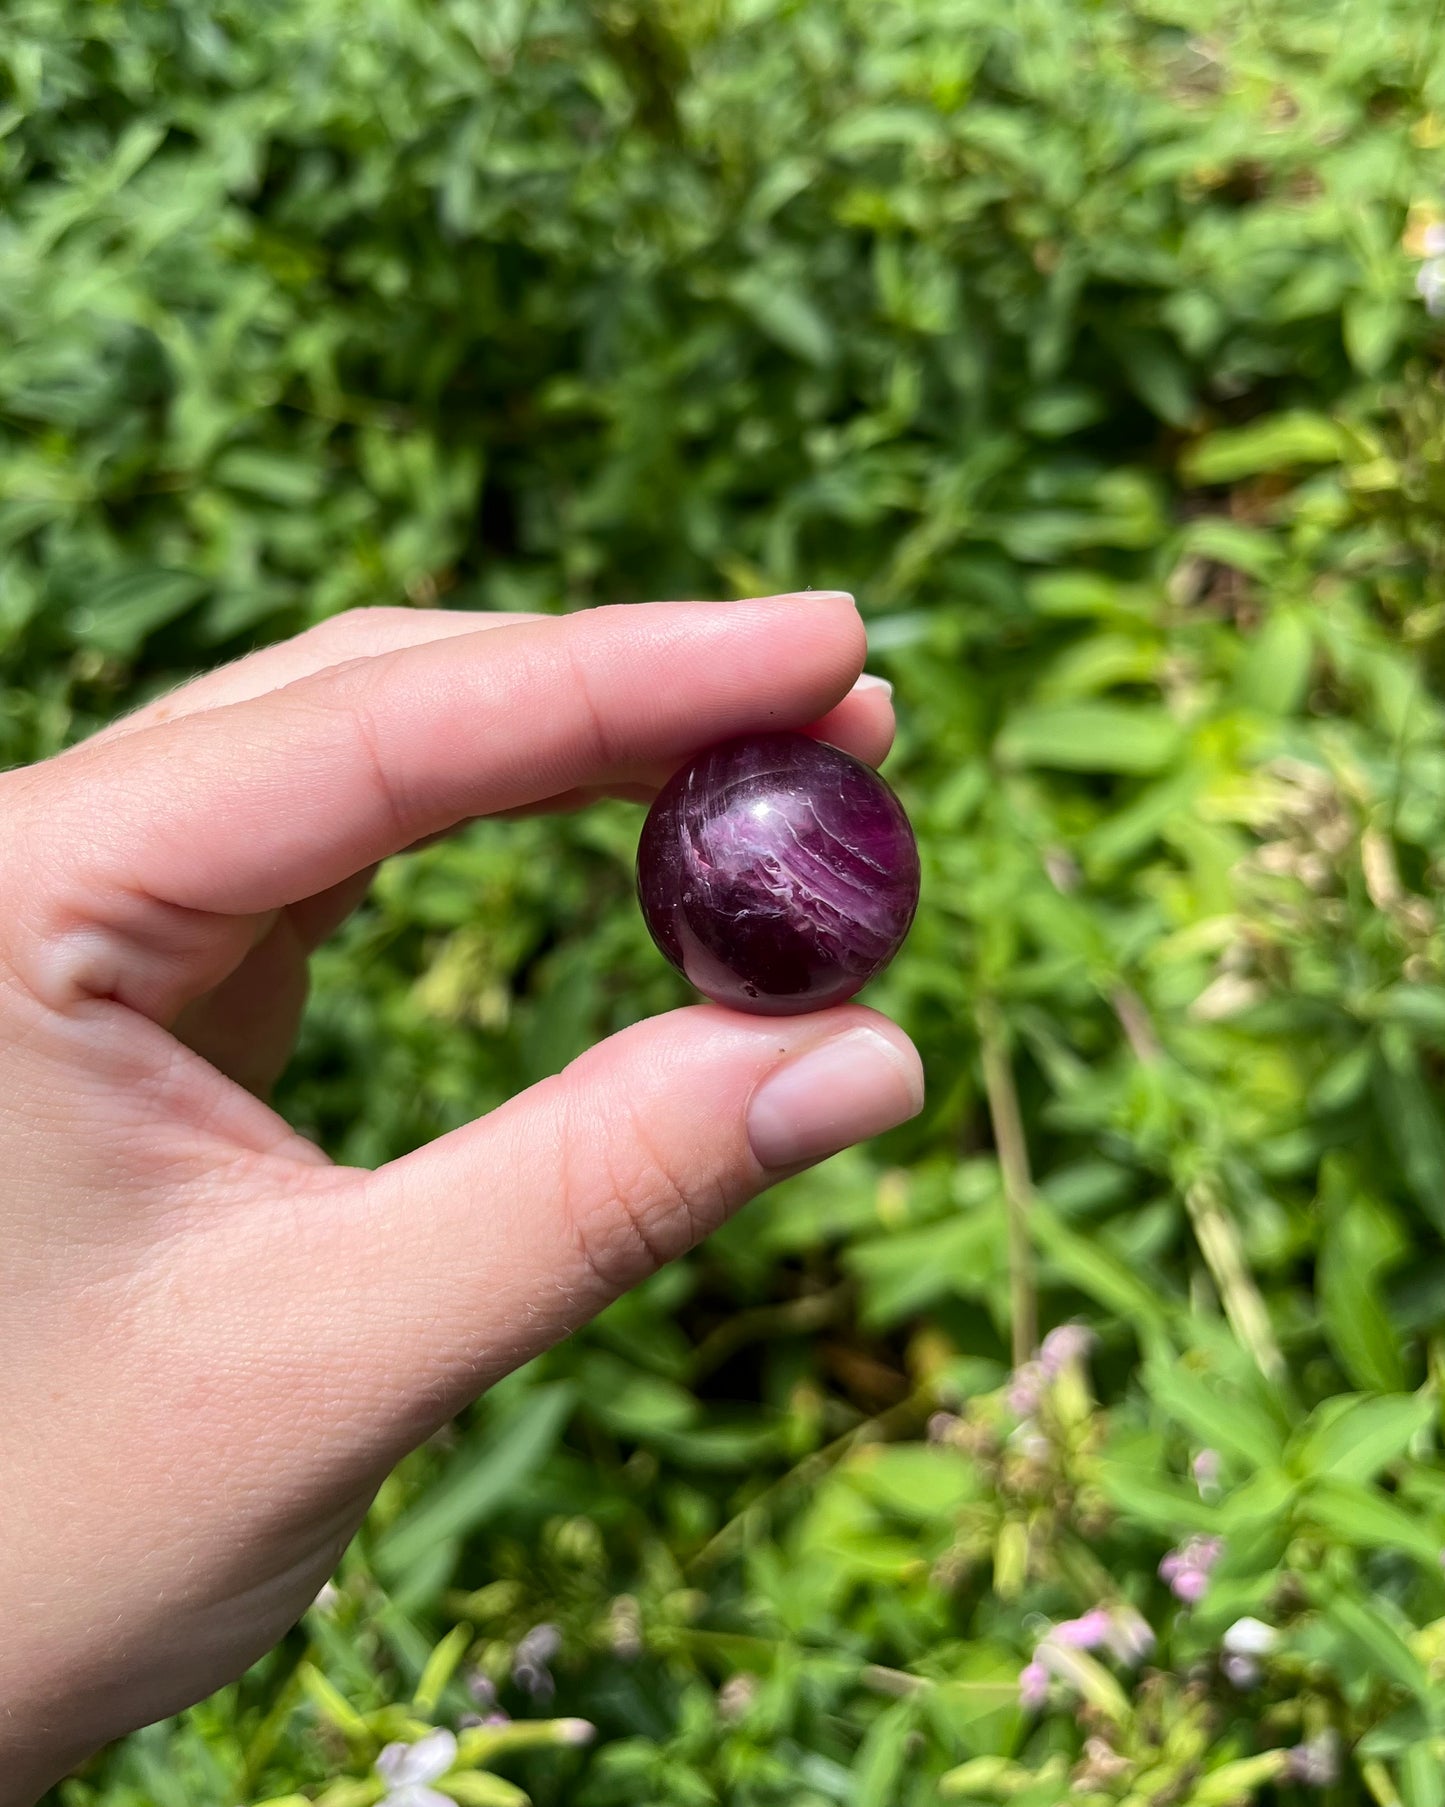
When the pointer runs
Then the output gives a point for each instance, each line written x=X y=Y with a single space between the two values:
x=218 y=1343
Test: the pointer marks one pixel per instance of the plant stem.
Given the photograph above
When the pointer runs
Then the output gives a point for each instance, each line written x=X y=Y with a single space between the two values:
x=1018 y=1185
x=1218 y=1240
x=790 y=1318
x=898 y=1420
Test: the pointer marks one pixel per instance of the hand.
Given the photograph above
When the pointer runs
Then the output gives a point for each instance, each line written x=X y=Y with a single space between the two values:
x=217 y=1343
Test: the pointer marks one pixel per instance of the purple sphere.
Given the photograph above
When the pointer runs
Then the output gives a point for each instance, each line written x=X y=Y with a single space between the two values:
x=777 y=873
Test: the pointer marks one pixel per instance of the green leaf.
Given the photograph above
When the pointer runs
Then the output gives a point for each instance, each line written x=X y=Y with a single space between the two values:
x=1412 y=1116
x=1358 y=1437
x=635 y=1404
x=333 y=1706
x=1373 y=326
x=1239 y=1780
x=1087 y=1264
x=1163 y=1505
x=786 y=314
x=1400 y=1731
x=992 y=1777
x=273 y=476
x=441 y=1666
x=1219 y=1417
x=1367 y=1519
x=878 y=1767
x=119 y=613
x=480 y=1479
x=1249 y=549
x=1280 y=442
x=977 y=1708
x=1379 y=1645
x=1422 y=1775
x=477 y=1788
x=1161 y=378
x=1090 y=1679
x=1275 y=674
x=352 y=1791
x=914 y=1480
x=1088 y=595
x=1352 y=1308
x=1258 y=1507
x=1091 y=737
x=913 y=1268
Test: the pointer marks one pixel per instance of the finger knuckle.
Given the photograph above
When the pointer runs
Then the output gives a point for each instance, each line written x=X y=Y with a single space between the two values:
x=357 y=630
x=631 y=1204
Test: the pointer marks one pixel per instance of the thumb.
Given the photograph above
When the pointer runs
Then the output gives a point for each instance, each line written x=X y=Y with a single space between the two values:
x=475 y=1253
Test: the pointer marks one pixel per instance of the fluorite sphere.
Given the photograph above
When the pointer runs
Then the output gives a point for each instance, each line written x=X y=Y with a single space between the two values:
x=777 y=873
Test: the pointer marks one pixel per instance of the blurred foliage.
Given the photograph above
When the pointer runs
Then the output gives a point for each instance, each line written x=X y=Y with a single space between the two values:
x=1080 y=338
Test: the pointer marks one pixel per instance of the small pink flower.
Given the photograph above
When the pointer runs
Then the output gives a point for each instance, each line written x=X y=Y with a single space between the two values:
x=941 y=1426
x=1026 y=1390
x=1063 y=1346
x=1190 y=1586
x=1086 y=1633
x=1033 y=1686
x=1207 y=1467
x=1187 y=1569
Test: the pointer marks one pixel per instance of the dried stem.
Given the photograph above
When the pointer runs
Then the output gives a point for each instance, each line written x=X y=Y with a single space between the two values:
x=1138 y=1026
x=1018 y=1185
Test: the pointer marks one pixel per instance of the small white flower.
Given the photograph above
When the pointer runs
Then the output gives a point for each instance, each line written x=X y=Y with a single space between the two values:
x=1432 y=241
x=1131 y=1637
x=735 y=1696
x=327 y=1600
x=539 y=1645
x=1430 y=285
x=1250 y=1637
x=408 y=1768
x=1316 y=1763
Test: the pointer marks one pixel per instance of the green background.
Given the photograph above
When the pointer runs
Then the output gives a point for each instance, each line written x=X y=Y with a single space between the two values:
x=1080 y=339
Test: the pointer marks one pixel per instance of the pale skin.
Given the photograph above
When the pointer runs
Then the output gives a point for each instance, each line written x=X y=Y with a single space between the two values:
x=216 y=1342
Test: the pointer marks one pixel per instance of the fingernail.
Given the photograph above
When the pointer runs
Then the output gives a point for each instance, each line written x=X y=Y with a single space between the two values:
x=834 y=1095
x=869 y=682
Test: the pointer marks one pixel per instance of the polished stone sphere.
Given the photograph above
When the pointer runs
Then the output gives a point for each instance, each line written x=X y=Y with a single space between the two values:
x=777 y=873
